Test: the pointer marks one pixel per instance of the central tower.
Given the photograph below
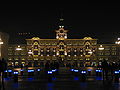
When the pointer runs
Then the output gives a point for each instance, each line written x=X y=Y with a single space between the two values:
x=61 y=36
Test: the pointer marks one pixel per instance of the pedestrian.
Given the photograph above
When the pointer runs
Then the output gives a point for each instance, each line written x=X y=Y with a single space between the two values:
x=105 y=68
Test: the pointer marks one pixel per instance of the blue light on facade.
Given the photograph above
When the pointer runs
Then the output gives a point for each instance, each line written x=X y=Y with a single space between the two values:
x=72 y=70
x=98 y=70
x=9 y=70
x=54 y=78
x=116 y=72
x=89 y=70
x=21 y=70
x=49 y=72
x=38 y=70
x=76 y=71
x=30 y=79
x=83 y=72
x=5 y=71
x=16 y=73
x=31 y=70
x=76 y=78
x=54 y=70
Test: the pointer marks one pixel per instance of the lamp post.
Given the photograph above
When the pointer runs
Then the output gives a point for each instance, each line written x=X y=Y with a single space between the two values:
x=2 y=81
x=0 y=47
x=118 y=45
x=19 y=49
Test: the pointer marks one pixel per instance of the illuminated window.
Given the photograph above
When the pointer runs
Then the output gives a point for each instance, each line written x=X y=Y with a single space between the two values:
x=81 y=58
x=23 y=53
x=113 y=48
x=106 y=58
x=101 y=53
x=9 y=58
x=23 y=58
x=113 y=53
x=16 y=58
x=107 y=53
x=75 y=50
x=35 y=58
x=16 y=53
x=41 y=50
x=107 y=48
x=100 y=58
x=10 y=53
x=87 y=58
x=48 y=50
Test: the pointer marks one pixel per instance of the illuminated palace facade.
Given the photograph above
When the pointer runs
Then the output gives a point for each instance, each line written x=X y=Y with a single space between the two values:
x=80 y=52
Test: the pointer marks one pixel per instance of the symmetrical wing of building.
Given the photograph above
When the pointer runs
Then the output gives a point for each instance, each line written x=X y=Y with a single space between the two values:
x=81 y=52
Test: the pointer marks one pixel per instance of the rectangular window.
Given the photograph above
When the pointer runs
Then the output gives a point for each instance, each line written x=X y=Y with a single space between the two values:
x=107 y=53
x=114 y=48
x=113 y=53
x=101 y=53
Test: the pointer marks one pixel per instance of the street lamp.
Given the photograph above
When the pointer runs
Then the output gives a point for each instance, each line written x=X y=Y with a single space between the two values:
x=0 y=45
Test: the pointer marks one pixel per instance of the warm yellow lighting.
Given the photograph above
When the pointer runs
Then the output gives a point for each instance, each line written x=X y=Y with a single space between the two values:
x=65 y=53
x=118 y=41
x=90 y=52
x=18 y=48
x=101 y=47
x=29 y=52
x=1 y=42
x=0 y=46
x=35 y=38
x=57 y=53
x=87 y=38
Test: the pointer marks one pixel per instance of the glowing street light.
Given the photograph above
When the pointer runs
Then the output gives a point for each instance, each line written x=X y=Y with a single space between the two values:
x=0 y=45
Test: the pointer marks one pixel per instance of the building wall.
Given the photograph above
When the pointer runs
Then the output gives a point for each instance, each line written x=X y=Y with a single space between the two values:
x=84 y=51
x=4 y=47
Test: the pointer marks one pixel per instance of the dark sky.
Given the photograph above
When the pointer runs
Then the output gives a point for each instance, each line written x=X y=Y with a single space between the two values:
x=101 y=21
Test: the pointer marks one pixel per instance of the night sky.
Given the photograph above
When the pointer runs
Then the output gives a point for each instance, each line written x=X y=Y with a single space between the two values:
x=101 y=21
